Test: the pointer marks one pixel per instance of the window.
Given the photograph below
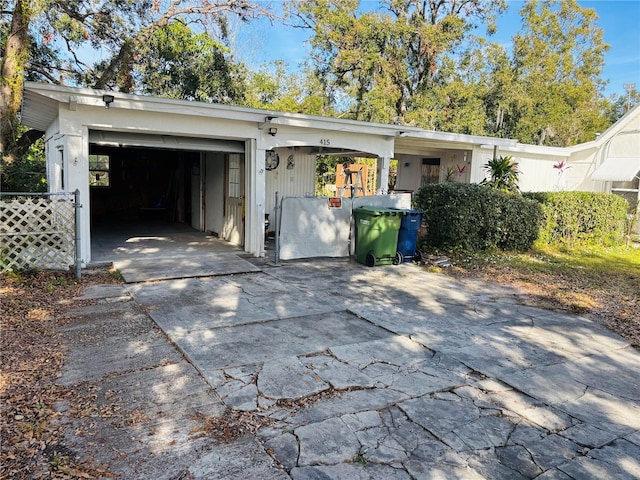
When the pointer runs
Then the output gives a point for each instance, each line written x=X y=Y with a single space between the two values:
x=430 y=170
x=234 y=176
x=99 y=166
x=629 y=190
x=631 y=185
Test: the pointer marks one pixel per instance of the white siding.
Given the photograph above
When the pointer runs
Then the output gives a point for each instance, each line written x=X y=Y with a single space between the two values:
x=480 y=158
x=408 y=177
x=410 y=167
x=539 y=175
x=583 y=164
x=298 y=181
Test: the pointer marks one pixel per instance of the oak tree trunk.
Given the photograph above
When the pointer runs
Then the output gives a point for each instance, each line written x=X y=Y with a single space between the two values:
x=12 y=68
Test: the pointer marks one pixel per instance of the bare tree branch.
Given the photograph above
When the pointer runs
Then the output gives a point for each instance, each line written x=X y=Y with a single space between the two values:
x=42 y=71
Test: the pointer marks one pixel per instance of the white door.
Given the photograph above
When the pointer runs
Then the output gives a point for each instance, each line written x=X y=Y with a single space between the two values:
x=234 y=200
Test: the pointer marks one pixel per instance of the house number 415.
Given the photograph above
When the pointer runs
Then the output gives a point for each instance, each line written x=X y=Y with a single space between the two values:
x=325 y=142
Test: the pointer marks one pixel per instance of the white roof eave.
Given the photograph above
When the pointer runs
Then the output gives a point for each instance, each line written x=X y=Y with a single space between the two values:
x=541 y=150
x=454 y=138
x=90 y=97
x=264 y=118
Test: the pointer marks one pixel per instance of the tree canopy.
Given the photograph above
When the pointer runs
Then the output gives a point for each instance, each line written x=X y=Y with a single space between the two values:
x=422 y=63
x=386 y=62
x=557 y=63
x=43 y=40
x=428 y=63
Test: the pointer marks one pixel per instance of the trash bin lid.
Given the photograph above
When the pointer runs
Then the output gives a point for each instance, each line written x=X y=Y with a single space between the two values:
x=377 y=211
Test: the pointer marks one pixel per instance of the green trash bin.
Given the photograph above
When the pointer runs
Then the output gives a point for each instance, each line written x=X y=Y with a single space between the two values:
x=377 y=235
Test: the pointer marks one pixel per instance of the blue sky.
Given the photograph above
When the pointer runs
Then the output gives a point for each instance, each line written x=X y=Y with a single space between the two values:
x=620 y=20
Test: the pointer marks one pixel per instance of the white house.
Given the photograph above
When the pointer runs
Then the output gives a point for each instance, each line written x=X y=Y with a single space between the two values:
x=217 y=167
x=610 y=163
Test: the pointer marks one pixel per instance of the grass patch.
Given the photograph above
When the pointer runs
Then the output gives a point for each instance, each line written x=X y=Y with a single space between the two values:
x=603 y=283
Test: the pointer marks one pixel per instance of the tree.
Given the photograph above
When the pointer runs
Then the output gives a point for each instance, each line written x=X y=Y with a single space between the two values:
x=28 y=173
x=273 y=87
x=385 y=62
x=455 y=102
x=619 y=105
x=12 y=66
x=556 y=96
x=122 y=27
x=179 y=63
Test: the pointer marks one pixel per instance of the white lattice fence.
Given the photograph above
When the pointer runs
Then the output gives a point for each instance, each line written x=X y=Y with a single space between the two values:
x=37 y=232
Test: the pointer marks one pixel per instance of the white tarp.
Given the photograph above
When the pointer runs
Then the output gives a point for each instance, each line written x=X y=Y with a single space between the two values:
x=617 y=169
x=315 y=227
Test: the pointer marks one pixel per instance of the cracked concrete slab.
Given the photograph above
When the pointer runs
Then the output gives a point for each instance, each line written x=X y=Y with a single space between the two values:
x=611 y=412
x=134 y=403
x=239 y=460
x=440 y=417
x=350 y=471
x=328 y=442
x=263 y=341
x=339 y=375
x=353 y=372
x=288 y=379
x=588 y=435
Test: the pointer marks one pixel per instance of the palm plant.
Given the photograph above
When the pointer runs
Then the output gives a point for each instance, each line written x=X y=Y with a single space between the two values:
x=503 y=174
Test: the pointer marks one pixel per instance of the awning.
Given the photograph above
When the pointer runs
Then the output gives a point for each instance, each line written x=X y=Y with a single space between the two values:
x=617 y=169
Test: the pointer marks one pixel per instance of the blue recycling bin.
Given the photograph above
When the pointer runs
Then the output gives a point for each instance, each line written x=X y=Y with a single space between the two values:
x=408 y=235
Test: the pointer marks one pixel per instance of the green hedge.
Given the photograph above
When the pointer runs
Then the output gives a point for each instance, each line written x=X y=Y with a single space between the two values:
x=476 y=217
x=582 y=218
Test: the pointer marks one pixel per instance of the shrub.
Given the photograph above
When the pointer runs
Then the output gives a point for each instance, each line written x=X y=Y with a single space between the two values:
x=26 y=173
x=582 y=218
x=503 y=174
x=475 y=217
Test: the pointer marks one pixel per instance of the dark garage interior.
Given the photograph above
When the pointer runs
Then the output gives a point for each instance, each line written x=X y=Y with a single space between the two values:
x=135 y=184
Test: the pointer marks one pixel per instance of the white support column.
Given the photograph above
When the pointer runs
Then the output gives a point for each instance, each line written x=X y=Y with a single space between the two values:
x=382 y=185
x=256 y=191
x=76 y=176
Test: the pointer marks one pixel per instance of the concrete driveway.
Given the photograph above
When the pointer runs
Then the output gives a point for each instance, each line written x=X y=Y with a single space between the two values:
x=394 y=372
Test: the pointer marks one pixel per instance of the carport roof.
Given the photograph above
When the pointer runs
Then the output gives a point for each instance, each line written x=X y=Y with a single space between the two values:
x=41 y=102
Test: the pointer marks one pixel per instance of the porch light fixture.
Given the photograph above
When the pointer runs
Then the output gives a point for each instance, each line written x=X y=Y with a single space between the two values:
x=273 y=131
x=108 y=100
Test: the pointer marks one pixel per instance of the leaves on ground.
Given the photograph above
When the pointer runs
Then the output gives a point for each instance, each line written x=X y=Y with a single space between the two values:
x=31 y=358
x=231 y=425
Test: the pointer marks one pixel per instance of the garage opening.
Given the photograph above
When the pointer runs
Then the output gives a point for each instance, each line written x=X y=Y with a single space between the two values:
x=140 y=184
x=159 y=195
